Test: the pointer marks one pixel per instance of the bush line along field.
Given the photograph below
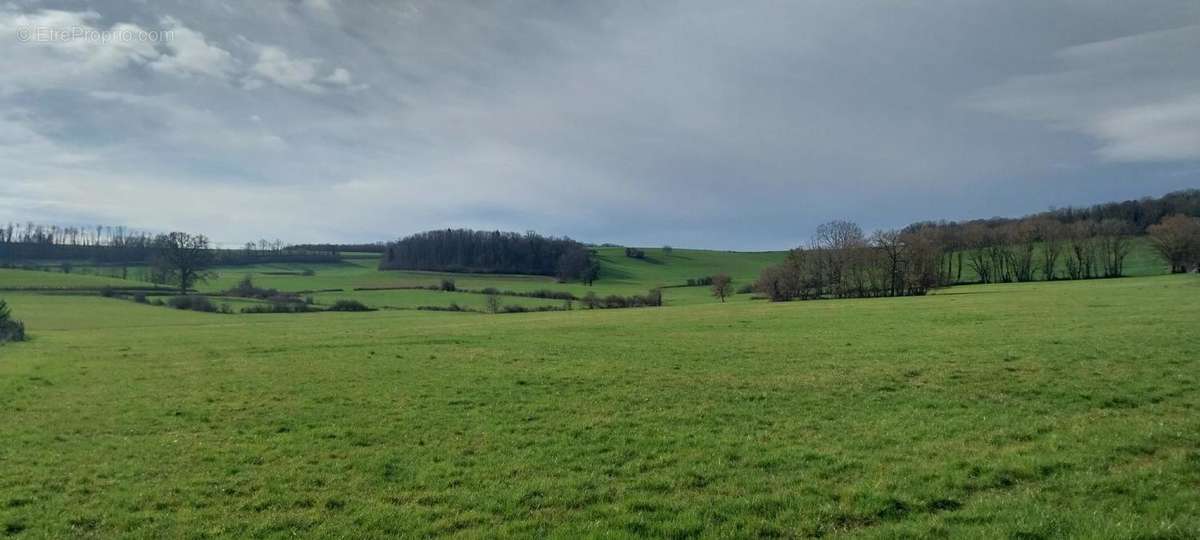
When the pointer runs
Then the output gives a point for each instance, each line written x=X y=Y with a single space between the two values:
x=1018 y=410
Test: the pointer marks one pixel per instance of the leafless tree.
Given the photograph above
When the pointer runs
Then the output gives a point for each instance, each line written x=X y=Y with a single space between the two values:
x=893 y=248
x=1113 y=241
x=1050 y=242
x=1081 y=256
x=722 y=285
x=1021 y=246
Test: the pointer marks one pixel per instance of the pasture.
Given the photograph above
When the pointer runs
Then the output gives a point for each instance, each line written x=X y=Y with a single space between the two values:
x=1021 y=410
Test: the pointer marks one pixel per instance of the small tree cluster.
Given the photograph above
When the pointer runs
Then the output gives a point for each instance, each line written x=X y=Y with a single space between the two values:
x=635 y=253
x=1177 y=240
x=842 y=262
x=10 y=328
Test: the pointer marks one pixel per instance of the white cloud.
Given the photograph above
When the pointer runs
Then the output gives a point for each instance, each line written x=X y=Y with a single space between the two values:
x=319 y=5
x=44 y=61
x=1138 y=95
x=340 y=77
x=192 y=54
x=276 y=66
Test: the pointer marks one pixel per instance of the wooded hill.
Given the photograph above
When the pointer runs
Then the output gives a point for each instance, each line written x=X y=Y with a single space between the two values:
x=490 y=252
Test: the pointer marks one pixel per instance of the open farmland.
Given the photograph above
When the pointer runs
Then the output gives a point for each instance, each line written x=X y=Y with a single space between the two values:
x=1020 y=410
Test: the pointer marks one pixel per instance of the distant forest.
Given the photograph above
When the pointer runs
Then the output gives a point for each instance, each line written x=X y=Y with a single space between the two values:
x=1138 y=214
x=32 y=244
x=495 y=252
x=374 y=247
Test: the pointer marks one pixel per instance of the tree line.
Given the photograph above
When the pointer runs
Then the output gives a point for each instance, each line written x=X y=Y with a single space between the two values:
x=466 y=250
x=843 y=262
x=30 y=243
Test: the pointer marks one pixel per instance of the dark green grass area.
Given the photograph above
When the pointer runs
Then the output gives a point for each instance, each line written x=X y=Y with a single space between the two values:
x=1010 y=411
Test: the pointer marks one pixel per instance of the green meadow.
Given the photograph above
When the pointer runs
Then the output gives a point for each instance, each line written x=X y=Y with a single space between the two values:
x=1036 y=410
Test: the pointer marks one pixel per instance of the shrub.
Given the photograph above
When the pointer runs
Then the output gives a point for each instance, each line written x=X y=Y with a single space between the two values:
x=193 y=303
x=448 y=285
x=278 y=307
x=614 y=301
x=108 y=292
x=246 y=289
x=348 y=305
x=140 y=298
x=652 y=298
x=552 y=295
x=452 y=307
x=10 y=328
x=746 y=289
x=635 y=253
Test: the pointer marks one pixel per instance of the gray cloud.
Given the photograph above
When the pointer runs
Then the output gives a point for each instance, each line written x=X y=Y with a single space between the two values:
x=1139 y=95
x=704 y=124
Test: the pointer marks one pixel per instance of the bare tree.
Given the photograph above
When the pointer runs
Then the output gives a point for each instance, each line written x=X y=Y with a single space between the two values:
x=1081 y=257
x=1114 y=245
x=891 y=244
x=183 y=259
x=1050 y=237
x=1022 y=243
x=1177 y=240
x=722 y=285
x=978 y=239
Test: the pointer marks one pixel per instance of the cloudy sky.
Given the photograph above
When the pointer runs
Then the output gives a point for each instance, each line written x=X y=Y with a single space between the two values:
x=737 y=125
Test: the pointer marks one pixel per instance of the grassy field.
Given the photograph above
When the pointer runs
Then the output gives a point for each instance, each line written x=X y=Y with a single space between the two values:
x=1007 y=411
x=32 y=279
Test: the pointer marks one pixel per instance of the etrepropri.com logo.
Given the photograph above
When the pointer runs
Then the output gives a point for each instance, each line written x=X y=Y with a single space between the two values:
x=54 y=34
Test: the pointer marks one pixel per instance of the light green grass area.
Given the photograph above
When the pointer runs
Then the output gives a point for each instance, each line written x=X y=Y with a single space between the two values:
x=411 y=299
x=619 y=275
x=1035 y=410
x=32 y=279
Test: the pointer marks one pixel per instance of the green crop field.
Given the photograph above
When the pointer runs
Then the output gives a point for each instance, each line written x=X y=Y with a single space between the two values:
x=1004 y=411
